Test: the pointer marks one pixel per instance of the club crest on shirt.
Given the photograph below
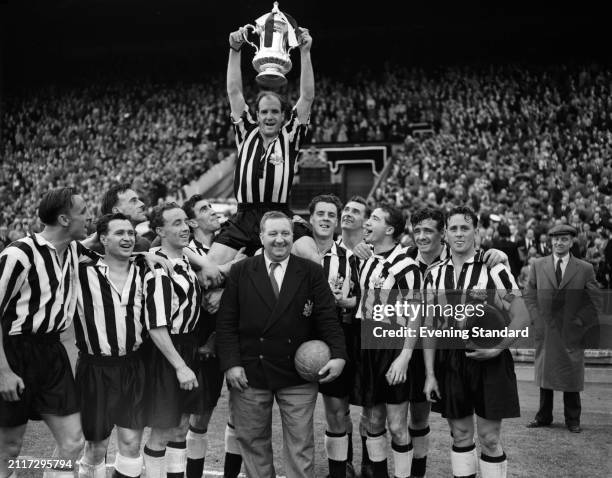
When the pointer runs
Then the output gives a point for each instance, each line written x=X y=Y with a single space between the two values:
x=275 y=159
x=336 y=282
x=378 y=282
x=307 y=312
x=478 y=294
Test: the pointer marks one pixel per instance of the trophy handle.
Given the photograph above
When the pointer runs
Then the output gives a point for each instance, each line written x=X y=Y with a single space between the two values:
x=246 y=38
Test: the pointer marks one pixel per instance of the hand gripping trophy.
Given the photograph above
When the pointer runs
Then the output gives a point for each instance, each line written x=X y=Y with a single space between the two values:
x=278 y=35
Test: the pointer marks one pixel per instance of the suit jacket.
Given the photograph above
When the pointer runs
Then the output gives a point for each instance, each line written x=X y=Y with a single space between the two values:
x=562 y=317
x=261 y=334
x=543 y=248
x=511 y=249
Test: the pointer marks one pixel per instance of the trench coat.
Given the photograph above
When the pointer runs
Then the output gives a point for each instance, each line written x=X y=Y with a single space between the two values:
x=561 y=317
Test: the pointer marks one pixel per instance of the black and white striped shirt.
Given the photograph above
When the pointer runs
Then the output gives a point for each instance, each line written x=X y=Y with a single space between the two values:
x=340 y=269
x=266 y=175
x=393 y=272
x=110 y=322
x=198 y=247
x=37 y=290
x=176 y=299
x=475 y=282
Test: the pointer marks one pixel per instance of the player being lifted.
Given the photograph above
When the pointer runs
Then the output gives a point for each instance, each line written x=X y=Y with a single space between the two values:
x=268 y=145
x=462 y=382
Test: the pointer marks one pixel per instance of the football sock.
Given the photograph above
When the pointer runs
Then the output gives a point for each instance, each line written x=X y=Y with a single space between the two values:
x=336 y=447
x=493 y=466
x=464 y=461
x=155 y=463
x=196 y=452
x=126 y=467
x=87 y=470
x=377 y=450
x=176 y=459
x=402 y=459
x=420 y=440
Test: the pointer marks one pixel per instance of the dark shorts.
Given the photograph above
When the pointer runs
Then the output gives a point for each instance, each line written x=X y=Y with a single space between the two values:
x=242 y=230
x=166 y=401
x=42 y=363
x=487 y=388
x=111 y=392
x=416 y=376
x=211 y=370
x=371 y=387
x=342 y=386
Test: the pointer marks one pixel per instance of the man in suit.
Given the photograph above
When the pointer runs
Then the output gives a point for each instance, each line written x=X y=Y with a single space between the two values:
x=511 y=248
x=543 y=247
x=564 y=301
x=273 y=303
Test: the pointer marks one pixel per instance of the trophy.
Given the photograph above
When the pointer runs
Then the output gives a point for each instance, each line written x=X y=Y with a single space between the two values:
x=277 y=37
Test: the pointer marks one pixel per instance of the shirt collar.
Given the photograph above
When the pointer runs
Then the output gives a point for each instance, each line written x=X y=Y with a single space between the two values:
x=283 y=263
x=104 y=267
x=383 y=256
x=564 y=259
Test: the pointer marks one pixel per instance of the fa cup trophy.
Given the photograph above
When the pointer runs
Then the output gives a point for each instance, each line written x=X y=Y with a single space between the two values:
x=277 y=37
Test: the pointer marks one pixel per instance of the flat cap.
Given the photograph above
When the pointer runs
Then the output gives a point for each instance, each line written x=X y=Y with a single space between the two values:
x=561 y=230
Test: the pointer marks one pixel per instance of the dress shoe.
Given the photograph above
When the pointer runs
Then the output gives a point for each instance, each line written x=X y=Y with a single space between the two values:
x=574 y=428
x=537 y=424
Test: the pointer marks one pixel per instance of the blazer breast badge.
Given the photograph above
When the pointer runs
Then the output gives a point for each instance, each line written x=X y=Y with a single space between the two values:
x=307 y=312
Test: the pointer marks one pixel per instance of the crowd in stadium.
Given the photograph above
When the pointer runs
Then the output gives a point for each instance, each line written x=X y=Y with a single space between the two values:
x=530 y=145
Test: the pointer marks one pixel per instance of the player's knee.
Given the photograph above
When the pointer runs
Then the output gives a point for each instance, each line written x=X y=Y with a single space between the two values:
x=200 y=421
x=398 y=431
x=95 y=452
x=462 y=436
x=336 y=421
x=11 y=446
x=158 y=438
x=490 y=442
x=376 y=420
x=129 y=446
x=72 y=445
x=179 y=434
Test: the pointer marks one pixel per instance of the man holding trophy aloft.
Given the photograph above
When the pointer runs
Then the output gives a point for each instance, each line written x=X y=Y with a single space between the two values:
x=268 y=141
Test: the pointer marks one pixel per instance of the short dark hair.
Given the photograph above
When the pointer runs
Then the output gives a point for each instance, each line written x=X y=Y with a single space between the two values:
x=102 y=224
x=157 y=215
x=190 y=204
x=361 y=200
x=395 y=218
x=111 y=197
x=326 y=198
x=274 y=94
x=274 y=215
x=428 y=213
x=55 y=202
x=466 y=212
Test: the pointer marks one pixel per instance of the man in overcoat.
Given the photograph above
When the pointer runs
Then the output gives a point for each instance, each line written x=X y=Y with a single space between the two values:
x=564 y=301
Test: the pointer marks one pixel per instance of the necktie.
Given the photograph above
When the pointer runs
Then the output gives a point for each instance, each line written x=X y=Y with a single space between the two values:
x=275 y=287
x=558 y=272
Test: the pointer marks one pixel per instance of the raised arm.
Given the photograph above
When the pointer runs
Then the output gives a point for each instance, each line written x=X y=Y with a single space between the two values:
x=234 y=75
x=307 y=87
